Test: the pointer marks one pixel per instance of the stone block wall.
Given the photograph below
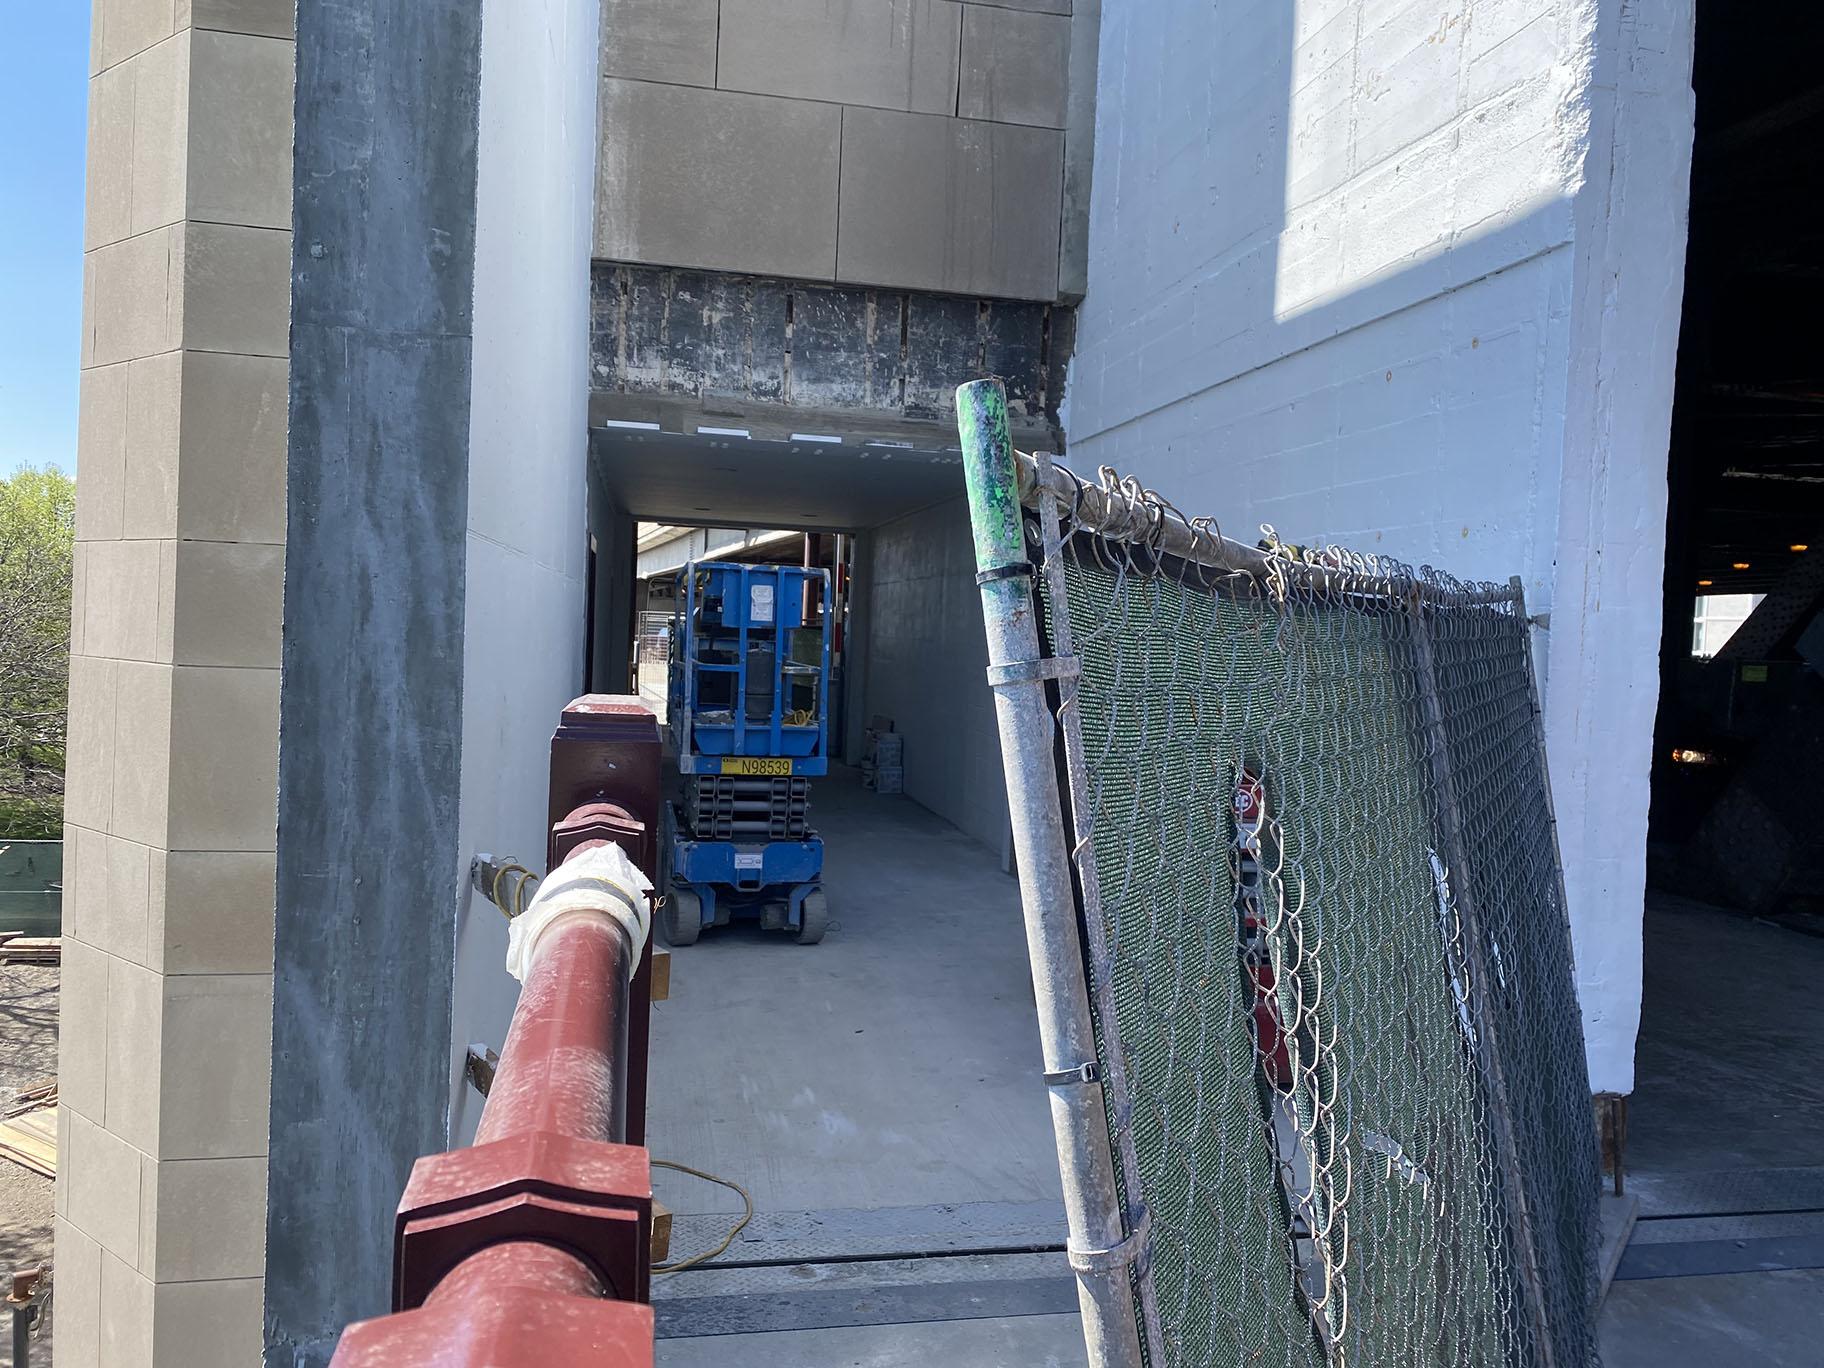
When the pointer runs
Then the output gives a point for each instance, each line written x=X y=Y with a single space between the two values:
x=174 y=685
x=909 y=144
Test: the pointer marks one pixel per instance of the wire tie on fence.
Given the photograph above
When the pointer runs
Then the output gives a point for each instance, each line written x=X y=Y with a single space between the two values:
x=1089 y=1072
x=1032 y=671
x=1131 y=1250
x=1012 y=570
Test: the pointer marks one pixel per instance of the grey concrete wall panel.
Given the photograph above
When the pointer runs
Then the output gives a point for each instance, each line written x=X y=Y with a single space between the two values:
x=1079 y=147
x=1041 y=6
x=1015 y=66
x=893 y=54
x=269 y=18
x=660 y=40
x=716 y=180
x=953 y=205
x=736 y=340
x=371 y=705
x=926 y=664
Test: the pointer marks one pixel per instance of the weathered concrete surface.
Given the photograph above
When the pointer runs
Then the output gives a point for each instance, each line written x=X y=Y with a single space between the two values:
x=370 y=712
x=751 y=342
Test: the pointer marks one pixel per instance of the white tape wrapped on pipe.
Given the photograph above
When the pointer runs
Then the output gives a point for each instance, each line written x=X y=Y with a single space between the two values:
x=600 y=883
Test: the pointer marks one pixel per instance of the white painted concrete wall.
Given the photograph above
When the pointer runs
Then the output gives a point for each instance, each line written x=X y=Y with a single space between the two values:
x=927 y=654
x=1407 y=277
x=527 y=547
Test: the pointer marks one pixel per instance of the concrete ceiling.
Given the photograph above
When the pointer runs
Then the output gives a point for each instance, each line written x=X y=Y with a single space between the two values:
x=727 y=481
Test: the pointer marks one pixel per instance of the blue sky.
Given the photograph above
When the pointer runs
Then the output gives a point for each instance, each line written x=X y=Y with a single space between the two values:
x=44 y=68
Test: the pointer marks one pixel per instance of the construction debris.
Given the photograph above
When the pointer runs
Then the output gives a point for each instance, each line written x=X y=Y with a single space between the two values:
x=28 y=1135
x=18 y=948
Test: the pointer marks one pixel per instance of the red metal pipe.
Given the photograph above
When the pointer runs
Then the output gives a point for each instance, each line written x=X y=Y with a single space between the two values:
x=522 y=1266
x=531 y=1247
x=563 y=1068
x=559 y=1091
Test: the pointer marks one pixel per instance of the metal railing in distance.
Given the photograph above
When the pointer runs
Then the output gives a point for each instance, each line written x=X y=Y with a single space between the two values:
x=533 y=1246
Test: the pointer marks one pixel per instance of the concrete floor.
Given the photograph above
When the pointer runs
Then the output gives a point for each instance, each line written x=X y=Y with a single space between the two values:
x=1729 y=1027
x=894 y=1066
x=1724 y=1092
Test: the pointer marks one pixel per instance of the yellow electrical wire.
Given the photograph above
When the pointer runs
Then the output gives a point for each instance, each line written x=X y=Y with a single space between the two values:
x=727 y=1240
x=519 y=889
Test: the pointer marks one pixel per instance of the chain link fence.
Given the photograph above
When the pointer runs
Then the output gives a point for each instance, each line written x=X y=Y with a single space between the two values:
x=1303 y=964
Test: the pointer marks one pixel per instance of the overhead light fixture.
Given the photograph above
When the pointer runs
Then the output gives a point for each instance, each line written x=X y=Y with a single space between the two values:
x=1739 y=565
x=1705 y=584
x=1799 y=546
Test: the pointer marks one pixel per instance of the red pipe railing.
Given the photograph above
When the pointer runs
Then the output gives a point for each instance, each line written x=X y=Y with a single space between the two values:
x=533 y=1245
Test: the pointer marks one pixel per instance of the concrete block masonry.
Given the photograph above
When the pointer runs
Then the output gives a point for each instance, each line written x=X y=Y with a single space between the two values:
x=947 y=119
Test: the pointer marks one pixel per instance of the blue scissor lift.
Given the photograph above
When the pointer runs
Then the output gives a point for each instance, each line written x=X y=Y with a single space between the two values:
x=748 y=713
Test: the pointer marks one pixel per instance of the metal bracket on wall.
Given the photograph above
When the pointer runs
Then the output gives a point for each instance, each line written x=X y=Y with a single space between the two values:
x=479 y=1068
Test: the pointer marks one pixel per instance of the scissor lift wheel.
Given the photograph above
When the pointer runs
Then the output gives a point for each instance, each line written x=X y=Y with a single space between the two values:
x=813 y=918
x=683 y=917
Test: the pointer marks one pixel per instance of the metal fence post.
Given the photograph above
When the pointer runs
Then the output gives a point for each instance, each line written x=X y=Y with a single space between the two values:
x=1101 y=1248
x=1454 y=848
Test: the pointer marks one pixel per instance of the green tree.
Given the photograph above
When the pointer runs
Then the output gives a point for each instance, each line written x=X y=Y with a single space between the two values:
x=37 y=543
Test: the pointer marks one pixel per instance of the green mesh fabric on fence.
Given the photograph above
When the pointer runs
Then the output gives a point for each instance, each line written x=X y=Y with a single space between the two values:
x=1329 y=966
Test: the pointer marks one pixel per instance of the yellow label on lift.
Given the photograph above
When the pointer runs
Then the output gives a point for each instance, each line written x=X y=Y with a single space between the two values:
x=749 y=764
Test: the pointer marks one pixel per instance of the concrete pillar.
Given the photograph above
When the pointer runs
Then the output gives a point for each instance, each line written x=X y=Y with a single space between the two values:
x=174 y=686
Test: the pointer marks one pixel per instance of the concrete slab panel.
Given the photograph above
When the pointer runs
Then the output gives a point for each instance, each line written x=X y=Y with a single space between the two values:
x=108 y=214
x=673 y=41
x=269 y=18
x=893 y=54
x=954 y=205
x=236 y=282
x=1015 y=66
x=677 y=165
x=240 y=129
x=1006 y=1342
